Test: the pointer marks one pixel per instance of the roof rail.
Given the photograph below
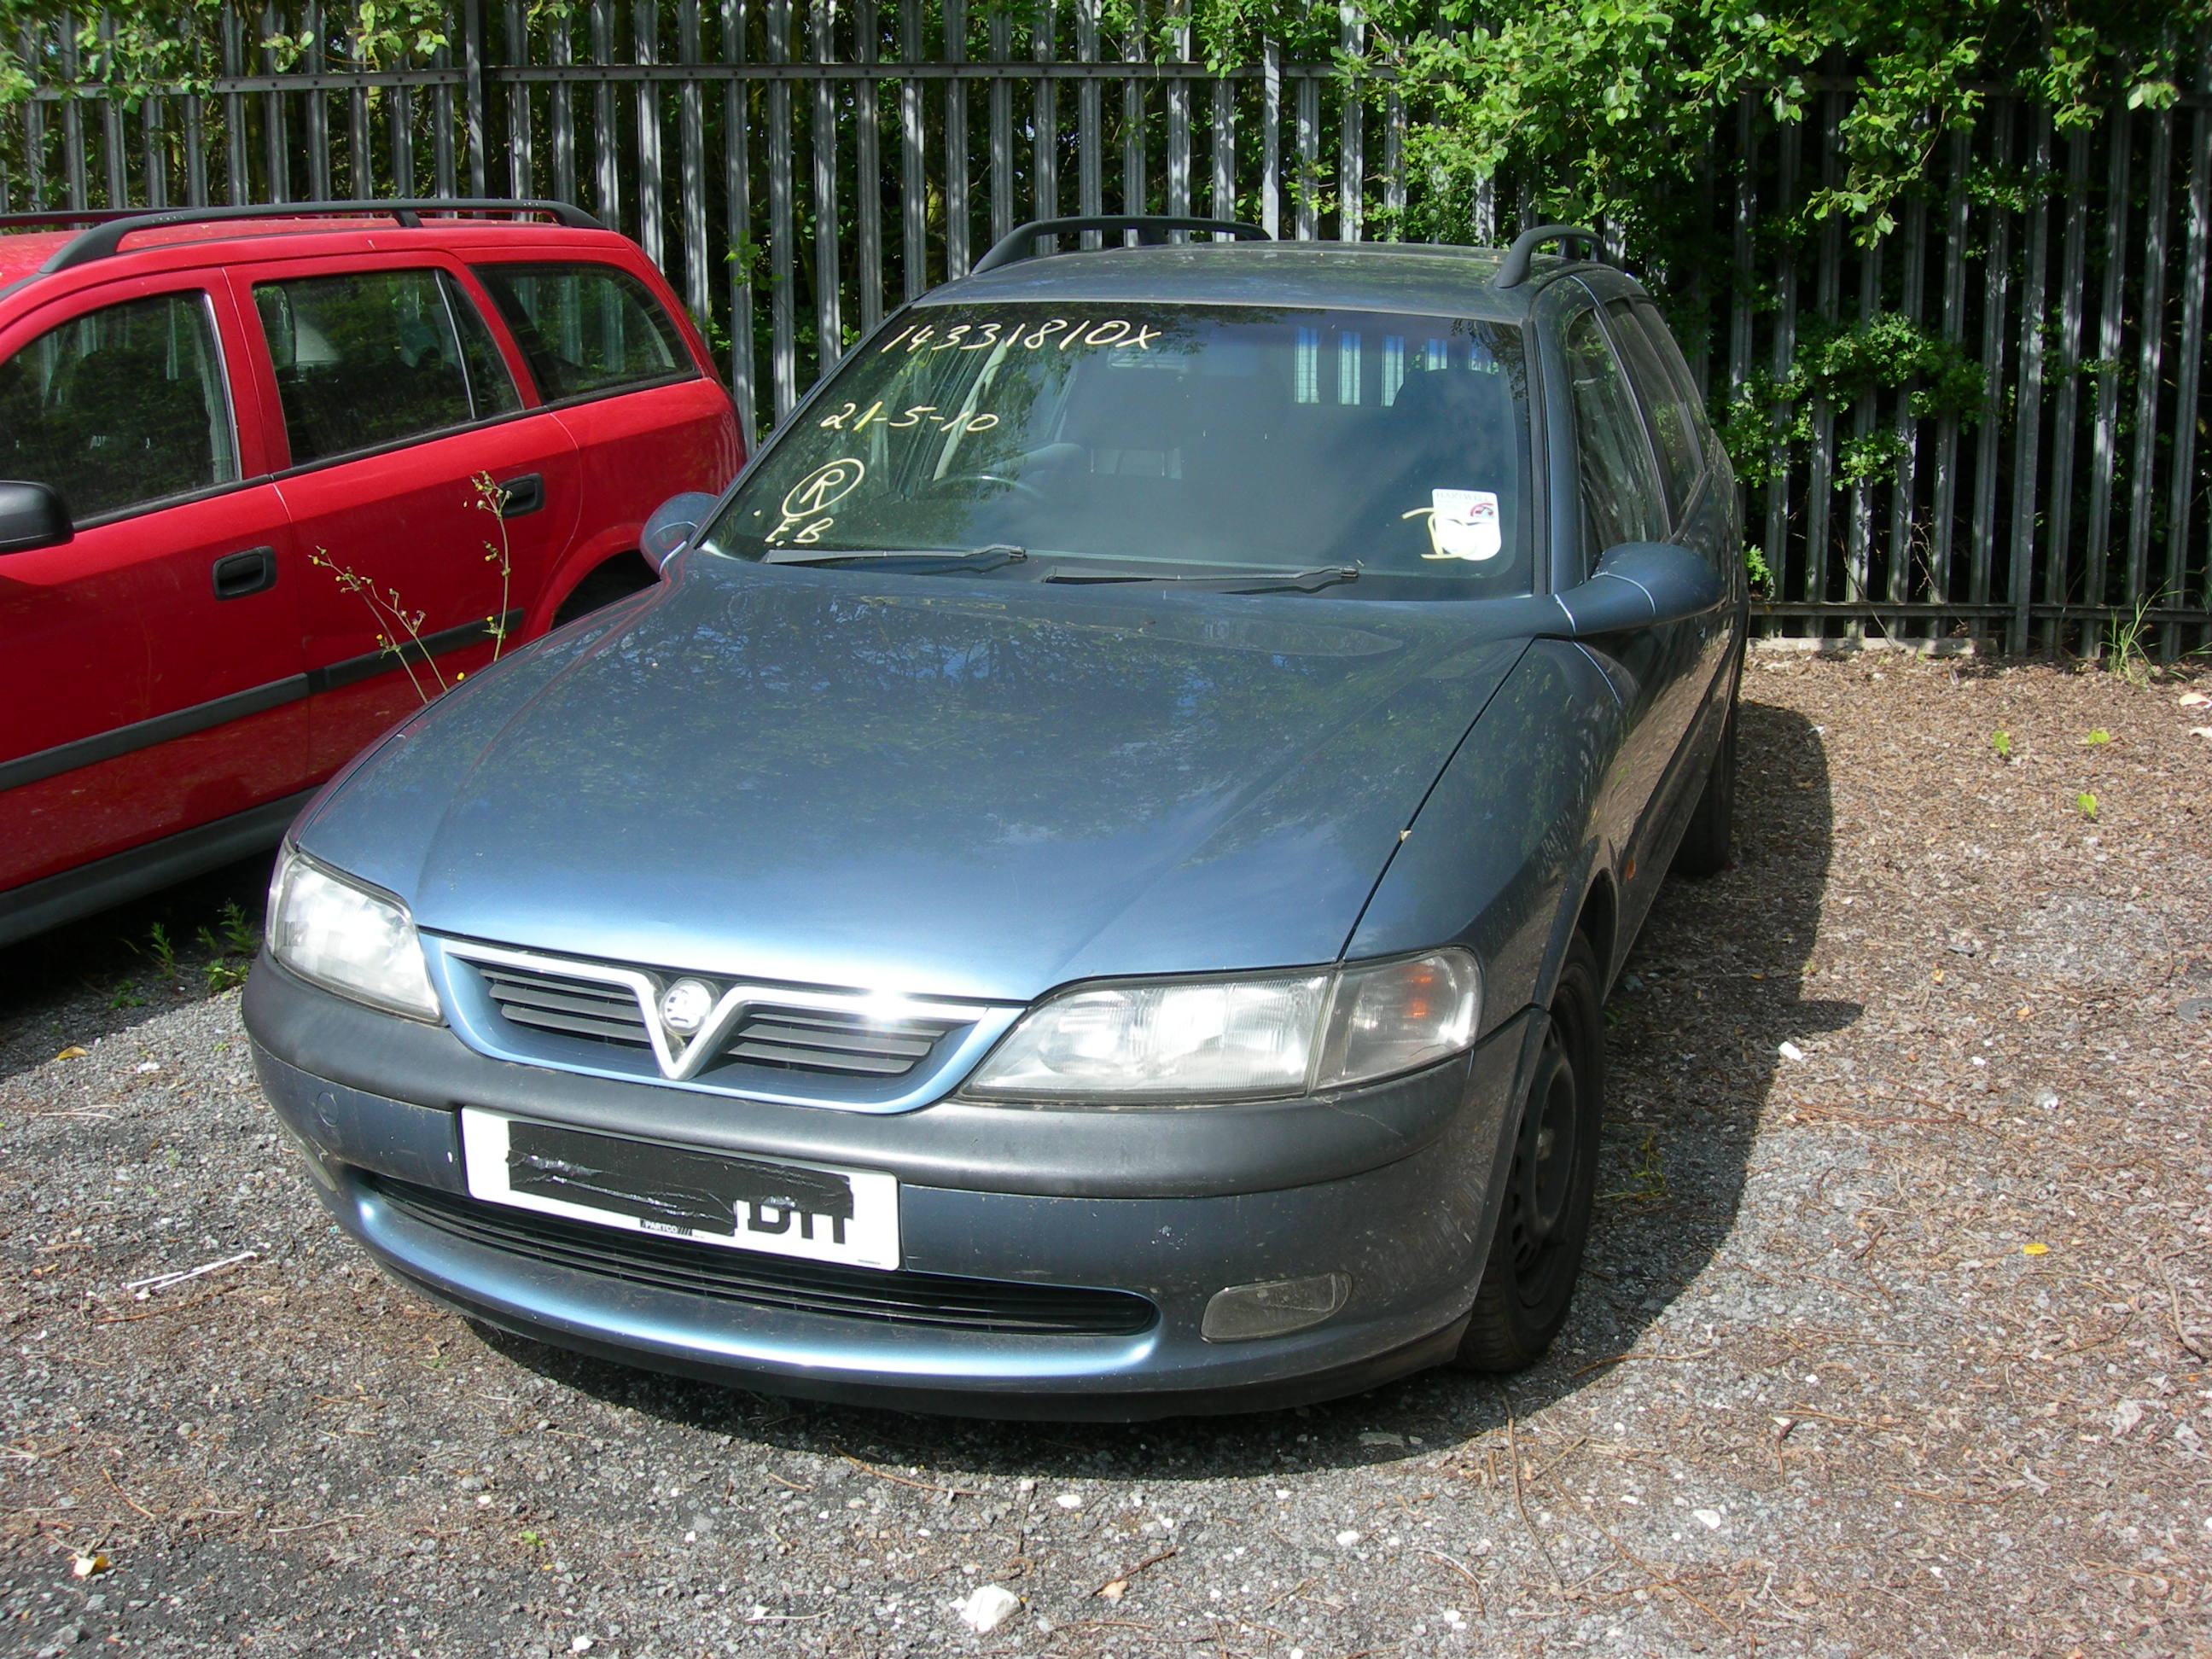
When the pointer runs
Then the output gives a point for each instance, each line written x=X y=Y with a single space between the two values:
x=1518 y=257
x=1151 y=230
x=103 y=241
x=67 y=217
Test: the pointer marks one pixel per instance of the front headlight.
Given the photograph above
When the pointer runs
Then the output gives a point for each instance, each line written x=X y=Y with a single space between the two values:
x=1197 y=1040
x=347 y=939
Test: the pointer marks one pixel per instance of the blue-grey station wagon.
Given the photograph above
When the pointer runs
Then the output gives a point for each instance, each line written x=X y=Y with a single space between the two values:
x=1087 y=889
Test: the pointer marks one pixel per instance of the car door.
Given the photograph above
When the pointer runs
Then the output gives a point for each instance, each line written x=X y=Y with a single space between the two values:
x=396 y=401
x=608 y=355
x=151 y=670
x=1619 y=498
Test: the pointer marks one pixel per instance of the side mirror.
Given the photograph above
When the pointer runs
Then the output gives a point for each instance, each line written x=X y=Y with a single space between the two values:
x=1641 y=584
x=672 y=525
x=31 y=516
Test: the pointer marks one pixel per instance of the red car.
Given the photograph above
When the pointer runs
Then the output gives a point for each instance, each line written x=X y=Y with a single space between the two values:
x=242 y=460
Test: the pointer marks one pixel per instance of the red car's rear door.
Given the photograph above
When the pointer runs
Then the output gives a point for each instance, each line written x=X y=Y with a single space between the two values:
x=395 y=399
x=151 y=669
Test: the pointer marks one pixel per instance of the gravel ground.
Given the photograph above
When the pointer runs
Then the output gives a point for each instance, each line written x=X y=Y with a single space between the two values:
x=1895 y=1336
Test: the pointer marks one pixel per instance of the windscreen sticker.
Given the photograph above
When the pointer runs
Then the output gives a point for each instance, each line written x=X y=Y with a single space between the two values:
x=1051 y=334
x=1463 y=525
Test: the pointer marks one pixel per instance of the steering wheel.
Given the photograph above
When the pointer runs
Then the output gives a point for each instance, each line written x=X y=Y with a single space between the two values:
x=1015 y=484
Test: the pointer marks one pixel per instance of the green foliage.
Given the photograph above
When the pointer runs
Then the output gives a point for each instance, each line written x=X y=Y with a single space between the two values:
x=1771 y=414
x=163 y=45
x=159 y=948
x=1756 y=567
x=2002 y=742
x=1604 y=108
x=2097 y=739
x=1647 y=1177
x=2087 y=804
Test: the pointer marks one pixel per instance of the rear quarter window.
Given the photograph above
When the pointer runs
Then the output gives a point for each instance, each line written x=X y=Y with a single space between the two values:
x=586 y=329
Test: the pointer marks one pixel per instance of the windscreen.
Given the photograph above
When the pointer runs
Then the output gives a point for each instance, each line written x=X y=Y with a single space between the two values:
x=1208 y=437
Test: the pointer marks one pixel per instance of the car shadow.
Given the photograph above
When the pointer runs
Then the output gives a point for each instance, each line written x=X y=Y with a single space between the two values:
x=107 y=974
x=1713 y=989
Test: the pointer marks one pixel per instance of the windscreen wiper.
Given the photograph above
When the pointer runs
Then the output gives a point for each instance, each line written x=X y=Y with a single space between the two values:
x=1303 y=581
x=983 y=558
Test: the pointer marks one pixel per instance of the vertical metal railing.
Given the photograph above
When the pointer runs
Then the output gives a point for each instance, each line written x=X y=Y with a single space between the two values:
x=799 y=167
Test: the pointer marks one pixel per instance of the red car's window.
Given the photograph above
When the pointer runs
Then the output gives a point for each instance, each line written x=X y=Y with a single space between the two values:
x=376 y=357
x=585 y=328
x=121 y=407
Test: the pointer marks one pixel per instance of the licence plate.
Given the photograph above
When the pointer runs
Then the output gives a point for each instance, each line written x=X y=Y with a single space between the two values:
x=816 y=1210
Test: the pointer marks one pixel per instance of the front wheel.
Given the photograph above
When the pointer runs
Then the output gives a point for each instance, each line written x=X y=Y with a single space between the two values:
x=1545 y=1214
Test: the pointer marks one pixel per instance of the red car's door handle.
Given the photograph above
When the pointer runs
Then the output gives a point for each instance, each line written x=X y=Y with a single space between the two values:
x=520 y=495
x=237 y=575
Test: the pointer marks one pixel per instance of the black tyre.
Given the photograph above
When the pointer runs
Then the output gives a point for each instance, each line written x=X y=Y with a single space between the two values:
x=1545 y=1218
x=1706 y=843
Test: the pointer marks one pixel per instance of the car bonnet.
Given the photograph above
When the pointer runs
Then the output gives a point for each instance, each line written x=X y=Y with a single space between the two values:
x=926 y=784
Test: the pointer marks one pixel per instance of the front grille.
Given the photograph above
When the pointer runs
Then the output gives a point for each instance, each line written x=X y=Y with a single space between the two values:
x=939 y=1301
x=785 y=1038
x=574 y=1007
x=821 y=1040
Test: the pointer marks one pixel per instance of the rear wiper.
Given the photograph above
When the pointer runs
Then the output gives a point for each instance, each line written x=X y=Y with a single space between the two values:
x=1303 y=581
x=983 y=558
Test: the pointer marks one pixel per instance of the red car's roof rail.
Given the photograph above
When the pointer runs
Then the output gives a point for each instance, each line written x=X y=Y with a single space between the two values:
x=111 y=226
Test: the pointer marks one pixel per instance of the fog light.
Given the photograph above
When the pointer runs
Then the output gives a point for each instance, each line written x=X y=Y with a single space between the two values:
x=1276 y=1308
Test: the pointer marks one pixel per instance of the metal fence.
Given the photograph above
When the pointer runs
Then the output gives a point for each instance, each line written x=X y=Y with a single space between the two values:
x=799 y=169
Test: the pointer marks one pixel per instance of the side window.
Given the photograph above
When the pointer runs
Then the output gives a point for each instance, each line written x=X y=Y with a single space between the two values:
x=1620 y=493
x=1668 y=408
x=376 y=357
x=121 y=407
x=585 y=328
x=1662 y=342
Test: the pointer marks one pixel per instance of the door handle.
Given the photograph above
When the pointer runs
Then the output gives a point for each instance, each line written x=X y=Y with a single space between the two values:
x=238 y=574
x=520 y=495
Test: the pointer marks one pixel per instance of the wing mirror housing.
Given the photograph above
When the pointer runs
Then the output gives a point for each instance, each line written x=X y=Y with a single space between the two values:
x=1639 y=585
x=31 y=515
x=673 y=525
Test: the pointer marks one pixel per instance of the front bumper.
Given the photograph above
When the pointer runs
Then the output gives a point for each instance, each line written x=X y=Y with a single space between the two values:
x=1392 y=1185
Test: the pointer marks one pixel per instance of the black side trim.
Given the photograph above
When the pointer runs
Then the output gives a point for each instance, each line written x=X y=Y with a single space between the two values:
x=183 y=722
x=577 y=399
x=39 y=905
x=144 y=734
x=352 y=670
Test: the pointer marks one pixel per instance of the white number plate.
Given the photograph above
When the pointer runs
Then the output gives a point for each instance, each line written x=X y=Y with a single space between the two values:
x=780 y=1208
